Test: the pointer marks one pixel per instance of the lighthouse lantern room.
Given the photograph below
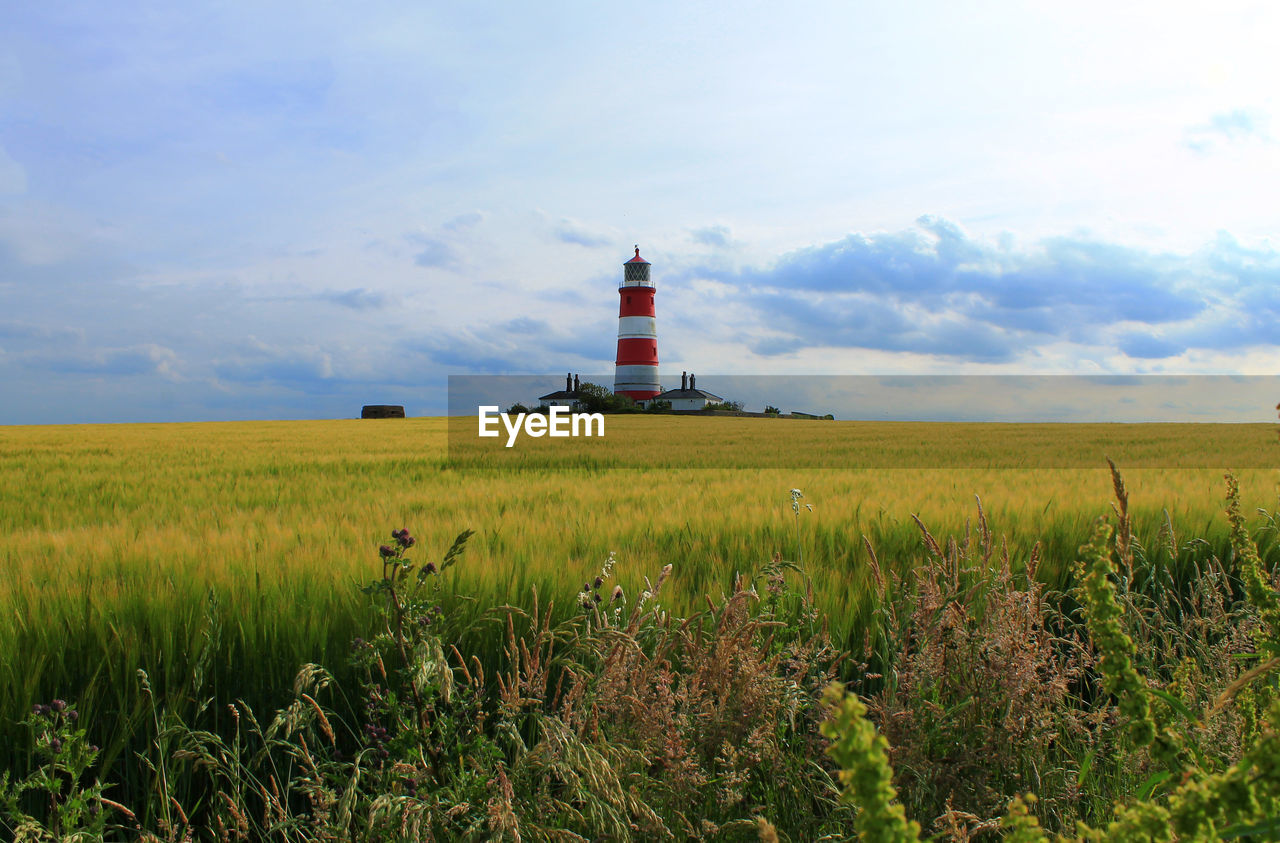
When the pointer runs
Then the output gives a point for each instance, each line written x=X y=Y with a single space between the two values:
x=636 y=372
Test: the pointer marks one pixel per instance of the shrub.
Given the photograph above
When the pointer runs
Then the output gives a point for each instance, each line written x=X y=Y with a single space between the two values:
x=594 y=398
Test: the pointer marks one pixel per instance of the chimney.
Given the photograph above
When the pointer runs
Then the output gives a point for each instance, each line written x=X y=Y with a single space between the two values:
x=575 y=384
x=568 y=382
x=691 y=386
x=684 y=380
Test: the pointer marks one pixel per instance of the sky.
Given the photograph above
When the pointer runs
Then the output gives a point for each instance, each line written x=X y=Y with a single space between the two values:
x=262 y=210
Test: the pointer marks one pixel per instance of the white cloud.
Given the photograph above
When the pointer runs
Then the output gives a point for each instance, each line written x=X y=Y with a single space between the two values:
x=392 y=189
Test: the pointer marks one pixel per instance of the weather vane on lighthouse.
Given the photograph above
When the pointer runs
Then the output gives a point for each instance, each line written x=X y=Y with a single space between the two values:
x=636 y=368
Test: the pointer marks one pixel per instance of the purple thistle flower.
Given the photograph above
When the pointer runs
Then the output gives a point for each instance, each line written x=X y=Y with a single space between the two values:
x=599 y=582
x=59 y=705
x=386 y=551
x=430 y=568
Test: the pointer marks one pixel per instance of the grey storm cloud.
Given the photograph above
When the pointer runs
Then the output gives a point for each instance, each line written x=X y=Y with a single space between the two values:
x=935 y=290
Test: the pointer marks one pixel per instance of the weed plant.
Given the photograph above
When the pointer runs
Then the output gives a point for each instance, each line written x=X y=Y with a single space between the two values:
x=1138 y=706
x=620 y=721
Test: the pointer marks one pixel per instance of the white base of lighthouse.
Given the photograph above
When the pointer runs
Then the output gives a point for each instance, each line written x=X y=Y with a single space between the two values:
x=636 y=379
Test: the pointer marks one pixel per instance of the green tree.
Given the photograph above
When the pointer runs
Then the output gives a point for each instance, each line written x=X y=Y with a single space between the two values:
x=594 y=398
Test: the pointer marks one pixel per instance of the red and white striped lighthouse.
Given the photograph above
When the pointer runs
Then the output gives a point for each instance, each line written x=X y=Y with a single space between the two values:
x=636 y=372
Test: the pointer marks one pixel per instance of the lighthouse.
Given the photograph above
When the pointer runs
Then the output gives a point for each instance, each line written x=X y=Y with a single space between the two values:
x=636 y=368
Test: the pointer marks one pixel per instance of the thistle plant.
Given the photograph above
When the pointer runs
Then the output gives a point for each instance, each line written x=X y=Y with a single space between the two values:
x=589 y=598
x=74 y=809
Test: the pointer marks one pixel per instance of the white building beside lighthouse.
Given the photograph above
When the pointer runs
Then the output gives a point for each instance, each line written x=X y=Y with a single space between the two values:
x=688 y=396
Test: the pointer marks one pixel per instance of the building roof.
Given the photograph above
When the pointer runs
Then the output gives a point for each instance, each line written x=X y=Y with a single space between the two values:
x=672 y=394
x=637 y=258
x=560 y=393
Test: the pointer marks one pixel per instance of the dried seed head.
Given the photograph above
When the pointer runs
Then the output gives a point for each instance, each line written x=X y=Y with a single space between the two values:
x=617 y=594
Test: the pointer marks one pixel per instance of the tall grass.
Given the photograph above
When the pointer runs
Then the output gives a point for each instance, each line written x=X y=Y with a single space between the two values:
x=218 y=557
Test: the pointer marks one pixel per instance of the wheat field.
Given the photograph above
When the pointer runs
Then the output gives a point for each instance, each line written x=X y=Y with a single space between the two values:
x=219 y=556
